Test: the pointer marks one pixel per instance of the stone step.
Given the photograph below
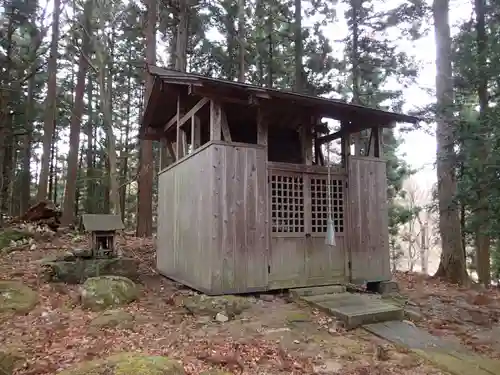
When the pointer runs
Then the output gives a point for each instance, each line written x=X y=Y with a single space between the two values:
x=317 y=290
x=356 y=309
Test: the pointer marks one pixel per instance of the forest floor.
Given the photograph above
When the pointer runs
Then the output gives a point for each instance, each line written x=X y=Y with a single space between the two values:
x=273 y=335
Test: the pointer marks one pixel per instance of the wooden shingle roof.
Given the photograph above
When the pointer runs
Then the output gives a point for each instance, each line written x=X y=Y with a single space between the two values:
x=101 y=222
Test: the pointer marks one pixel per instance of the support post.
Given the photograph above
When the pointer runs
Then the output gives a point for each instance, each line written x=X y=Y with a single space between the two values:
x=195 y=132
x=178 y=143
x=262 y=128
x=345 y=145
x=226 y=134
x=306 y=140
x=215 y=121
x=377 y=140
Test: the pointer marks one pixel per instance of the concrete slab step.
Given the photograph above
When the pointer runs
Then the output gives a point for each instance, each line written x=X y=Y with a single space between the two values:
x=355 y=316
x=317 y=290
x=356 y=309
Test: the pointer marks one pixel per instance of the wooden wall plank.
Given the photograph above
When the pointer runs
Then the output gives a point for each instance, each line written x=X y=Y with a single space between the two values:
x=369 y=222
x=243 y=245
x=185 y=222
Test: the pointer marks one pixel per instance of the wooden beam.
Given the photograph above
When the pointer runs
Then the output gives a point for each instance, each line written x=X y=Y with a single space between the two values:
x=369 y=148
x=262 y=127
x=170 y=123
x=187 y=116
x=350 y=128
x=306 y=142
x=170 y=149
x=330 y=137
x=226 y=133
x=195 y=132
x=178 y=142
x=377 y=142
x=345 y=146
x=207 y=93
x=215 y=120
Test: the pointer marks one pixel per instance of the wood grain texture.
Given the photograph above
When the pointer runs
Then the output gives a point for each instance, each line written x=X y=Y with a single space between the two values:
x=299 y=256
x=213 y=229
x=242 y=242
x=185 y=220
x=369 y=221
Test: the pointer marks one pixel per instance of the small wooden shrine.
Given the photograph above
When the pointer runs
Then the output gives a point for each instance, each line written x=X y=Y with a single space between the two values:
x=103 y=230
x=242 y=196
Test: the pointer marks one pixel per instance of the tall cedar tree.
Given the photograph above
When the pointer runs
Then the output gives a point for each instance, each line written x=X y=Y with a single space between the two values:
x=452 y=264
x=145 y=196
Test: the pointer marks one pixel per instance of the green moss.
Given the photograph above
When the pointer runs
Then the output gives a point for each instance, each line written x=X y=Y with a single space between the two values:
x=17 y=297
x=128 y=364
x=152 y=365
x=113 y=318
x=8 y=235
x=228 y=305
x=216 y=372
x=100 y=293
x=8 y=362
x=297 y=317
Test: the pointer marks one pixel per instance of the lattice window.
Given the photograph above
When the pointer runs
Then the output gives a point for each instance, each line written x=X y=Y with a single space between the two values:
x=319 y=204
x=287 y=204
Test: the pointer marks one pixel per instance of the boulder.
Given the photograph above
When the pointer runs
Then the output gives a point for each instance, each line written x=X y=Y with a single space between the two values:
x=128 y=364
x=8 y=236
x=112 y=319
x=77 y=270
x=230 y=306
x=16 y=297
x=100 y=293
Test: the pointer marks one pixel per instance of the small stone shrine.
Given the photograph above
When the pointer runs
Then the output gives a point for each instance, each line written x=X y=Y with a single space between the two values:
x=103 y=230
x=100 y=259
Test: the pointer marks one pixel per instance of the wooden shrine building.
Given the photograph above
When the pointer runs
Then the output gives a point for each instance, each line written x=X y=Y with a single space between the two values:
x=242 y=200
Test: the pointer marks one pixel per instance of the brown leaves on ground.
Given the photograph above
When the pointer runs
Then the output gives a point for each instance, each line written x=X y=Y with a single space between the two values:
x=468 y=315
x=57 y=334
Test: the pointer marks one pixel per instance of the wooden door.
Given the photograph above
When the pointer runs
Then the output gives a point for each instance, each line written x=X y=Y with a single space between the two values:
x=298 y=218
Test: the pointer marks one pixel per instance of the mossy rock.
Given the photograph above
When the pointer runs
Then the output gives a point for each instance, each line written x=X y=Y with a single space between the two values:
x=8 y=362
x=17 y=297
x=100 y=293
x=112 y=319
x=205 y=305
x=128 y=364
x=76 y=271
x=216 y=372
x=8 y=235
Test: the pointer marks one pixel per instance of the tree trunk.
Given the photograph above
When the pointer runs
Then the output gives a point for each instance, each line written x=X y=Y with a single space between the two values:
x=6 y=126
x=145 y=175
x=424 y=249
x=50 y=105
x=482 y=236
x=105 y=91
x=452 y=266
x=68 y=216
x=89 y=205
x=242 y=41
x=182 y=37
x=123 y=187
x=26 y=150
x=299 y=85
x=269 y=26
